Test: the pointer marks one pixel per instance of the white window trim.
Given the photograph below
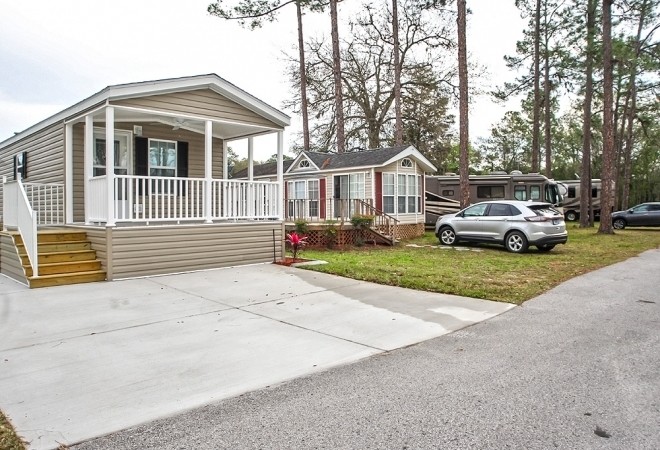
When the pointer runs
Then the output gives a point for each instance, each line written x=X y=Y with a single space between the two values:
x=176 y=149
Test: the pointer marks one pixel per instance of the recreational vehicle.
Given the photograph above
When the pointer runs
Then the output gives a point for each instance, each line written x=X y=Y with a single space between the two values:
x=570 y=191
x=443 y=192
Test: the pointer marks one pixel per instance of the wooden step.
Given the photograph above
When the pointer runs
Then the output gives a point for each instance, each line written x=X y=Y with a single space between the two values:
x=57 y=257
x=55 y=236
x=63 y=246
x=67 y=278
x=65 y=267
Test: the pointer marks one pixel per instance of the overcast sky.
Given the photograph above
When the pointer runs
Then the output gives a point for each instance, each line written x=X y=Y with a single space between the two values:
x=56 y=53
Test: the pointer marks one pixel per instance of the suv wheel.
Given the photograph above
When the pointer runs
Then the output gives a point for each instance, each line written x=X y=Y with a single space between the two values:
x=619 y=224
x=516 y=242
x=447 y=236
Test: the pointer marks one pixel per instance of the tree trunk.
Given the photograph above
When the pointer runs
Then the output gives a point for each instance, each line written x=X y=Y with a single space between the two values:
x=398 y=133
x=546 y=98
x=632 y=89
x=463 y=105
x=608 y=175
x=586 y=209
x=303 y=79
x=336 y=70
x=536 y=125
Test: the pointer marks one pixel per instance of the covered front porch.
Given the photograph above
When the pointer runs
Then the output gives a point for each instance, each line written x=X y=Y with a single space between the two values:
x=165 y=174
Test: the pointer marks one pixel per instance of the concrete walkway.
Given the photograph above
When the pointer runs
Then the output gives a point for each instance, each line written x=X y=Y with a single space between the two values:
x=82 y=361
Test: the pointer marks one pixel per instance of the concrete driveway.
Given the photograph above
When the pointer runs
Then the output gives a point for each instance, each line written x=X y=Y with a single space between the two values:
x=82 y=361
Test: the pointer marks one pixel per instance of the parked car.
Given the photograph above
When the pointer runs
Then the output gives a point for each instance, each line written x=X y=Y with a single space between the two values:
x=514 y=224
x=642 y=215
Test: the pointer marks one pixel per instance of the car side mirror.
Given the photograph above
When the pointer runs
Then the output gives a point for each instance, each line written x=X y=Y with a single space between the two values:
x=631 y=211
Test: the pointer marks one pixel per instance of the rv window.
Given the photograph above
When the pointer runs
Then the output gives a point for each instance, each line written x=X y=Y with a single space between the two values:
x=535 y=192
x=448 y=192
x=594 y=192
x=520 y=193
x=490 y=191
x=571 y=192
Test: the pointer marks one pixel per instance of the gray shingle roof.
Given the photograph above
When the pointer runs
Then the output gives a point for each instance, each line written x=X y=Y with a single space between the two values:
x=330 y=161
x=262 y=170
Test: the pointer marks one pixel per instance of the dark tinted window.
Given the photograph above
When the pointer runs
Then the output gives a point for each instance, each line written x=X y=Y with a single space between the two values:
x=654 y=208
x=447 y=192
x=594 y=192
x=497 y=209
x=571 y=192
x=490 y=191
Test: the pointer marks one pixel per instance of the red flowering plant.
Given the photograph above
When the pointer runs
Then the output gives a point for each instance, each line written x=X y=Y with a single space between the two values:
x=297 y=242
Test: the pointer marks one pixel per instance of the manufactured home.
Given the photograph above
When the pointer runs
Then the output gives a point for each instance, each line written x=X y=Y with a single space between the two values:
x=165 y=205
x=443 y=191
x=386 y=184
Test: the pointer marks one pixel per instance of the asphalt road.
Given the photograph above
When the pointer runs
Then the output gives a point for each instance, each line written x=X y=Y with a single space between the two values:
x=576 y=368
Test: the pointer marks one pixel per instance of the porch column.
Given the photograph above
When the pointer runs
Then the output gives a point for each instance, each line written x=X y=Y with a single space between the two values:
x=225 y=145
x=88 y=162
x=250 y=172
x=110 y=163
x=280 y=175
x=208 y=170
x=68 y=173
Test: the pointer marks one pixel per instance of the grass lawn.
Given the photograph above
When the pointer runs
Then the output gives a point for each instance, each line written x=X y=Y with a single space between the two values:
x=8 y=438
x=484 y=271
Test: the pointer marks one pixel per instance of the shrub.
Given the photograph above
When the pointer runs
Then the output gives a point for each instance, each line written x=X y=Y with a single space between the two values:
x=301 y=226
x=297 y=242
x=361 y=221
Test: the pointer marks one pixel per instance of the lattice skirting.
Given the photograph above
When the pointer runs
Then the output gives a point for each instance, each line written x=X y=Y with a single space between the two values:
x=327 y=236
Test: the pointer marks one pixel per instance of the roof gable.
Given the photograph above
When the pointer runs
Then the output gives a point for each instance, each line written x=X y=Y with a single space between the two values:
x=159 y=87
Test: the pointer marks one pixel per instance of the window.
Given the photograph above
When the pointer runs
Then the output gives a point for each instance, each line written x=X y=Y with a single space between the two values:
x=448 y=192
x=303 y=164
x=408 y=195
x=571 y=192
x=490 y=191
x=476 y=210
x=497 y=209
x=20 y=165
x=388 y=193
x=162 y=158
x=535 y=192
x=520 y=193
x=405 y=162
x=303 y=198
x=594 y=192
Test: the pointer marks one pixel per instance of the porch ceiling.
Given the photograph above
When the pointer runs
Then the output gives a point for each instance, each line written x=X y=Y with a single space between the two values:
x=225 y=130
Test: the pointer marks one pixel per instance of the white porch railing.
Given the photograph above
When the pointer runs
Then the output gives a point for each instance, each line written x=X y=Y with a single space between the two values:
x=166 y=199
x=16 y=212
x=47 y=200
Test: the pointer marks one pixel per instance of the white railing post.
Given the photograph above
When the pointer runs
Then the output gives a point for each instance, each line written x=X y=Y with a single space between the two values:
x=280 y=175
x=88 y=164
x=68 y=172
x=110 y=162
x=208 y=170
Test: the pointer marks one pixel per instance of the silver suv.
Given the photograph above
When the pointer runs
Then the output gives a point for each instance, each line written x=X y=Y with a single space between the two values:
x=514 y=224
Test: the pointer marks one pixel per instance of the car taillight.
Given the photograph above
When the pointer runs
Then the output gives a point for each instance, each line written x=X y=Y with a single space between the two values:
x=537 y=219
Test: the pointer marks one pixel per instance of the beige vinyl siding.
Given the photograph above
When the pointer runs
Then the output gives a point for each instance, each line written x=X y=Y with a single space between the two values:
x=10 y=262
x=149 y=130
x=142 y=251
x=45 y=156
x=201 y=102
